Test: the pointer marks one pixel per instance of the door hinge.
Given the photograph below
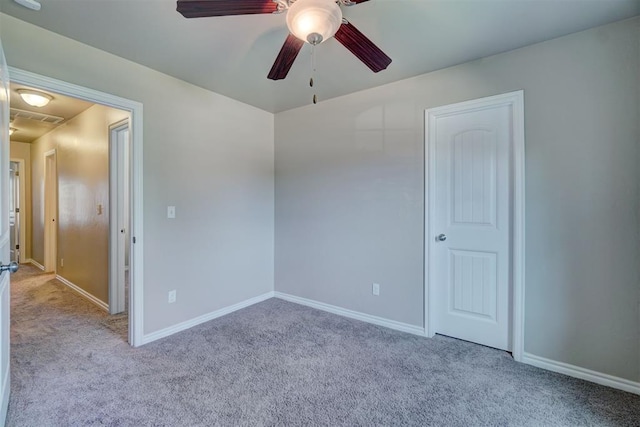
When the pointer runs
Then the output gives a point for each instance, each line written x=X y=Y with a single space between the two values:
x=134 y=239
x=17 y=210
x=17 y=246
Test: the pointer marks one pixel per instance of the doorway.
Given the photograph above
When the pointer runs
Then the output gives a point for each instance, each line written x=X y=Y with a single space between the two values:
x=474 y=228
x=136 y=289
x=50 y=211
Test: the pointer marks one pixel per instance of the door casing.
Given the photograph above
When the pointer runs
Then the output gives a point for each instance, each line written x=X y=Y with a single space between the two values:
x=50 y=211
x=5 y=383
x=136 y=290
x=22 y=240
x=118 y=207
x=515 y=100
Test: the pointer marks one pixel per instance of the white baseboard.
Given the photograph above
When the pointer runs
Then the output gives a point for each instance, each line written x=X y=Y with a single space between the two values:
x=34 y=263
x=162 y=333
x=5 y=396
x=103 y=305
x=380 y=321
x=582 y=373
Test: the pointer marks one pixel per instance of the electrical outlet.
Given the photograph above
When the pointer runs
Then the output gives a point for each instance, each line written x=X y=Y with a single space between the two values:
x=171 y=212
x=172 y=296
x=61 y=262
x=99 y=209
x=375 y=289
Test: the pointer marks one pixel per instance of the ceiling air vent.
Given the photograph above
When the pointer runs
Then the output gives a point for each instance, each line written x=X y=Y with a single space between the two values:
x=39 y=117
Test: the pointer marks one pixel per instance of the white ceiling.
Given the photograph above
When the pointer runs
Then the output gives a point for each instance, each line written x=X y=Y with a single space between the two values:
x=233 y=55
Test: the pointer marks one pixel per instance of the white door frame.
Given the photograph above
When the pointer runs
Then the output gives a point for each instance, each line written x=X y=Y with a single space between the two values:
x=515 y=100
x=50 y=211
x=5 y=239
x=22 y=178
x=116 y=210
x=136 y=290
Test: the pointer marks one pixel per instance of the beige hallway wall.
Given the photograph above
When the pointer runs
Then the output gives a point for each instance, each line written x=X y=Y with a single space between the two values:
x=82 y=150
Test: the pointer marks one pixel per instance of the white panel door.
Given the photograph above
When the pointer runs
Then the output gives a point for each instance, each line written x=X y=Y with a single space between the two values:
x=4 y=236
x=471 y=224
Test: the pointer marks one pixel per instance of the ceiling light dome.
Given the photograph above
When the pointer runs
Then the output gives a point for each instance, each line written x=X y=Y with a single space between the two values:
x=34 y=97
x=314 y=21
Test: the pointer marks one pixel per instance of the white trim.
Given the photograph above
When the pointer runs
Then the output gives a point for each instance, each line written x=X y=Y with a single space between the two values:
x=136 y=291
x=116 y=252
x=518 y=224
x=103 y=305
x=22 y=205
x=516 y=101
x=582 y=373
x=34 y=263
x=6 y=384
x=50 y=162
x=162 y=333
x=363 y=317
x=5 y=395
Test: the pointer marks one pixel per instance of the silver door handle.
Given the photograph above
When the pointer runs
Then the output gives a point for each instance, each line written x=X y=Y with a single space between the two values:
x=12 y=267
x=441 y=237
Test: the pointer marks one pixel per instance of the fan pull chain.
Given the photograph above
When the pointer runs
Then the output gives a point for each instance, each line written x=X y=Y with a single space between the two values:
x=313 y=71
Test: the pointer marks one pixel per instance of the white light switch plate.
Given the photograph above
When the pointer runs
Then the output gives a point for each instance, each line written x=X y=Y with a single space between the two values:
x=171 y=211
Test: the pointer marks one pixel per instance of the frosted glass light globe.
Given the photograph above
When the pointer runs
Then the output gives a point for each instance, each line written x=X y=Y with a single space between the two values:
x=314 y=21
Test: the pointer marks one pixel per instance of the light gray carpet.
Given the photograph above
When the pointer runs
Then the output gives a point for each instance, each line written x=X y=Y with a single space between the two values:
x=274 y=363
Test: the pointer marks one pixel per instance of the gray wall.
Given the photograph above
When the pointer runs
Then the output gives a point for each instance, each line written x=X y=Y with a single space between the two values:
x=349 y=194
x=82 y=155
x=200 y=156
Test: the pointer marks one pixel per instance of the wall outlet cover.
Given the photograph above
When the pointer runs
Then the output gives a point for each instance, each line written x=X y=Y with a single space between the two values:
x=375 y=289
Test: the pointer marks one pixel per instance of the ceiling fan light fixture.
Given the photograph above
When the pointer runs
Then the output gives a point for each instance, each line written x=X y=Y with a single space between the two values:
x=34 y=97
x=314 y=21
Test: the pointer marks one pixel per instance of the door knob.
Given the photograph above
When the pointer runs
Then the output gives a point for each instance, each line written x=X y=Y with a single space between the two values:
x=12 y=267
x=441 y=237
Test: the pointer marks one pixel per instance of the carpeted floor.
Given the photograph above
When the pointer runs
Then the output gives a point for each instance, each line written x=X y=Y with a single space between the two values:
x=275 y=363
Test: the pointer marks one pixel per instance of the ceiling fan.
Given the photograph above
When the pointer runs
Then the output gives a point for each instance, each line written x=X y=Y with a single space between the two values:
x=311 y=21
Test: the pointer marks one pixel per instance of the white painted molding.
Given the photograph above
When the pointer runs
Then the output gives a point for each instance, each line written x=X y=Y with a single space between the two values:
x=5 y=395
x=380 y=321
x=162 y=333
x=22 y=215
x=103 y=305
x=35 y=263
x=582 y=373
x=6 y=383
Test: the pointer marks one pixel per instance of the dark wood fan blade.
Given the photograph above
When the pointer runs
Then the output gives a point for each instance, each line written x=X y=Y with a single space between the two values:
x=358 y=1
x=203 y=8
x=287 y=55
x=362 y=47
